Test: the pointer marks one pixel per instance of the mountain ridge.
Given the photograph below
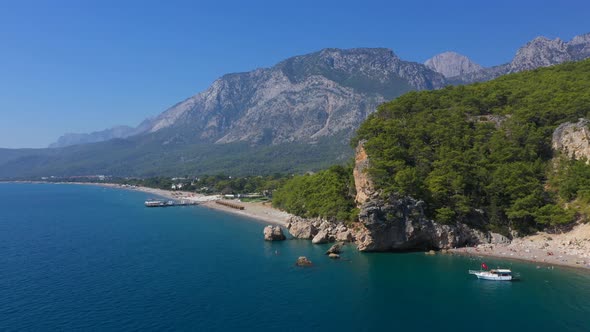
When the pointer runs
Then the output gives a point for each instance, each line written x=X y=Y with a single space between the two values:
x=314 y=99
x=343 y=67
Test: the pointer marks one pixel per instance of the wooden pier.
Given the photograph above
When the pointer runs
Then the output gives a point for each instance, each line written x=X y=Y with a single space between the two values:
x=162 y=203
x=230 y=204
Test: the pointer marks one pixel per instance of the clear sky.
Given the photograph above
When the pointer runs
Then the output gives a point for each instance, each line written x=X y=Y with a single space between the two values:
x=81 y=66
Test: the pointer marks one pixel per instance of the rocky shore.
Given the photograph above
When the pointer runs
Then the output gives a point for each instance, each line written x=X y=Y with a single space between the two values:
x=566 y=249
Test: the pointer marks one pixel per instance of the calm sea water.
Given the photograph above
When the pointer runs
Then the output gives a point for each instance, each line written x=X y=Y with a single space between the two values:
x=91 y=258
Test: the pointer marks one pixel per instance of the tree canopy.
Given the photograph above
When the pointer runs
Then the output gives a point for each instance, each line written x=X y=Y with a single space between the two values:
x=482 y=147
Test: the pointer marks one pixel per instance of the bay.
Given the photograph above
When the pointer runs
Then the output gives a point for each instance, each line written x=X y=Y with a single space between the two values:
x=76 y=257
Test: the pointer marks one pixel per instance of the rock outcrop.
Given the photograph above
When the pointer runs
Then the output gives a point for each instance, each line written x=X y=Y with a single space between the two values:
x=319 y=230
x=301 y=228
x=273 y=233
x=363 y=184
x=321 y=237
x=303 y=261
x=335 y=249
x=573 y=139
x=399 y=224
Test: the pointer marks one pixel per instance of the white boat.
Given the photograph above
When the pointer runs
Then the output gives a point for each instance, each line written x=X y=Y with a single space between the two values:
x=154 y=203
x=497 y=274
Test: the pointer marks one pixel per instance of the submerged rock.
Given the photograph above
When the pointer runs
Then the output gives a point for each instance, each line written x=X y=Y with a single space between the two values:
x=273 y=233
x=335 y=249
x=303 y=261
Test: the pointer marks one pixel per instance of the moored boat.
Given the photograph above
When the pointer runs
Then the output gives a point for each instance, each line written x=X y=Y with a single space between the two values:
x=494 y=274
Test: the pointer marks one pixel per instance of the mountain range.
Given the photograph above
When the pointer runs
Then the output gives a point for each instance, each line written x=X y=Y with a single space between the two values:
x=297 y=115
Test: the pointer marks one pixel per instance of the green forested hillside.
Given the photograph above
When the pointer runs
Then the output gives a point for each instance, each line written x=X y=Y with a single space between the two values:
x=326 y=194
x=483 y=147
x=147 y=157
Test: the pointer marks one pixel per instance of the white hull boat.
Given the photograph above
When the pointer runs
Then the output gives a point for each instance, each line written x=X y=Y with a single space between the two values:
x=497 y=275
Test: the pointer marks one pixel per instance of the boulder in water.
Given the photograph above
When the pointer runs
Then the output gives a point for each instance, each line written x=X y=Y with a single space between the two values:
x=303 y=261
x=335 y=249
x=273 y=233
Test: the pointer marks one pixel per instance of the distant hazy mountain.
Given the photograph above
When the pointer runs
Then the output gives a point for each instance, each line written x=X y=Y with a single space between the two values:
x=452 y=64
x=296 y=115
x=97 y=136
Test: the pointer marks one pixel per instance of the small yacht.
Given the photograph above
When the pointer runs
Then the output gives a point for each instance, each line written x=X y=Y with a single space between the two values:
x=494 y=274
x=498 y=274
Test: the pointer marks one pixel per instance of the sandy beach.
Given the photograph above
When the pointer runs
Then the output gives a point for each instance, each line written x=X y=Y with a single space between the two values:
x=566 y=249
x=260 y=211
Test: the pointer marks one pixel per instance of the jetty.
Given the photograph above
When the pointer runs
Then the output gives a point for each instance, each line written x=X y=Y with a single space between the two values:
x=162 y=203
x=230 y=204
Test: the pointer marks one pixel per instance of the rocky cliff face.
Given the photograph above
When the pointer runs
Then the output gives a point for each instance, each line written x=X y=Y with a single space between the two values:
x=398 y=223
x=573 y=139
x=452 y=64
x=363 y=184
x=394 y=223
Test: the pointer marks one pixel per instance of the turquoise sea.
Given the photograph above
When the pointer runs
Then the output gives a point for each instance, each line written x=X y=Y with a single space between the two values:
x=78 y=257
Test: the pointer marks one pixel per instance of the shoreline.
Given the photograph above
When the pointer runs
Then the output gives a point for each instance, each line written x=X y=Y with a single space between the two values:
x=259 y=212
x=571 y=249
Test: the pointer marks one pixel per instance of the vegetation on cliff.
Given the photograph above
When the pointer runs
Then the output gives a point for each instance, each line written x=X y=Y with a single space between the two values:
x=483 y=148
x=327 y=194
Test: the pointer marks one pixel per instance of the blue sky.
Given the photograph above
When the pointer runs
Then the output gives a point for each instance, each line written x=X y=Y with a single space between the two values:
x=81 y=66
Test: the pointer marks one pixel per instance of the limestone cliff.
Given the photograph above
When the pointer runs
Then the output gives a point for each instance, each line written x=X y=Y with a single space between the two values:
x=573 y=139
x=398 y=222
x=363 y=184
x=392 y=223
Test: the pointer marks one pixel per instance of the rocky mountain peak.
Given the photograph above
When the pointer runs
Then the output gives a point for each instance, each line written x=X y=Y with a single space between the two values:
x=579 y=47
x=451 y=64
x=540 y=52
x=581 y=39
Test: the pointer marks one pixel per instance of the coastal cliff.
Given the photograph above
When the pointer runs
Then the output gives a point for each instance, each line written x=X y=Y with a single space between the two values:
x=394 y=223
